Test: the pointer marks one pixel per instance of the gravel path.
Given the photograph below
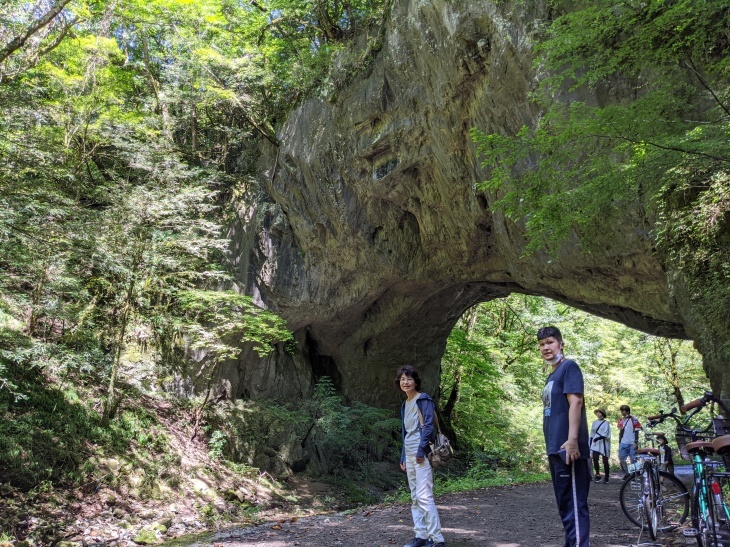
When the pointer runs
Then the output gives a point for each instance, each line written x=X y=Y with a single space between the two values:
x=511 y=516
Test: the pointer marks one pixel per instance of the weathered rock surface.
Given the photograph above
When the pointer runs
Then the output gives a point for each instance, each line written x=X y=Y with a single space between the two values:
x=372 y=239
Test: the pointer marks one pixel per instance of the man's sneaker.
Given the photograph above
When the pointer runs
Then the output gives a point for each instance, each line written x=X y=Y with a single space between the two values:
x=418 y=542
x=598 y=478
x=605 y=481
x=439 y=544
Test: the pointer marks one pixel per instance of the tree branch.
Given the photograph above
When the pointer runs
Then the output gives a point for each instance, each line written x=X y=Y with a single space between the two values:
x=19 y=41
x=659 y=146
x=707 y=87
x=5 y=78
x=57 y=40
x=259 y=6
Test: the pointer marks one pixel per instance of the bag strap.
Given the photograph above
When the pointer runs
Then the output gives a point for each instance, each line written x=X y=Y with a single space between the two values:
x=435 y=417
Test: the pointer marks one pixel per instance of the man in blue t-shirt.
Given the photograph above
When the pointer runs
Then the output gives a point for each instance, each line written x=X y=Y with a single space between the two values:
x=566 y=437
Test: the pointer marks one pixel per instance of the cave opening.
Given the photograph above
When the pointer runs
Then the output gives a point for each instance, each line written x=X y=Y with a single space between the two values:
x=491 y=374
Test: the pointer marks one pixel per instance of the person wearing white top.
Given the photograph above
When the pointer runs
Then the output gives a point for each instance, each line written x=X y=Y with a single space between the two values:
x=600 y=443
x=628 y=438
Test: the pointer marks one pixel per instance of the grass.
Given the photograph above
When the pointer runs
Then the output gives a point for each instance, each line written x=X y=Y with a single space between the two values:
x=476 y=477
x=500 y=477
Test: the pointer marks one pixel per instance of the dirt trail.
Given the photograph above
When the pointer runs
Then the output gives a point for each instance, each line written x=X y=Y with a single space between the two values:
x=511 y=516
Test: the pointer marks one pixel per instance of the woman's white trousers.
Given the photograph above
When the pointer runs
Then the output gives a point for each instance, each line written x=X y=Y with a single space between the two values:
x=426 y=522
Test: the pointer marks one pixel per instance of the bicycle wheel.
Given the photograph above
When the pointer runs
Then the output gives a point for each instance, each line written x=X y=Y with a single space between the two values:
x=632 y=499
x=712 y=537
x=707 y=533
x=721 y=509
x=672 y=503
x=651 y=494
x=715 y=528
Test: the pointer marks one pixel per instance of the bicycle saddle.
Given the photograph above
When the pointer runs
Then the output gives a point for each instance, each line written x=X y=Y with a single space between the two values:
x=721 y=444
x=704 y=446
x=653 y=451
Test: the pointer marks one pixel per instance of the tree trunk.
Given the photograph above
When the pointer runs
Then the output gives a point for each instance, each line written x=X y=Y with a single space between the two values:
x=35 y=302
x=109 y=405
x=667 y=363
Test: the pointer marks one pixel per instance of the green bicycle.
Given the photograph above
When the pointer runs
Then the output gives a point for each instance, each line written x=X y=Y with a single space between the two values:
x=710 y=513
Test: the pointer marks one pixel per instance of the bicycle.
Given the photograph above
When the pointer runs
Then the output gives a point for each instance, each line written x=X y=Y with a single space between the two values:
x=710 y=515
x=651 y=499
x=721 y=483
x=710 y=512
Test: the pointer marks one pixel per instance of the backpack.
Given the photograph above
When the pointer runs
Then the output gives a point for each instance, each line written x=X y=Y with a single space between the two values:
x=441 y=450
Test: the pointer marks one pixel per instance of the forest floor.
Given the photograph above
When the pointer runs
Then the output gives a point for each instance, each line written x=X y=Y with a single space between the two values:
x=509 y=516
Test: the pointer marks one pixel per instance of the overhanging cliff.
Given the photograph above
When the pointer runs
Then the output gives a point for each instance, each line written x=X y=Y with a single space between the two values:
x=372 y=239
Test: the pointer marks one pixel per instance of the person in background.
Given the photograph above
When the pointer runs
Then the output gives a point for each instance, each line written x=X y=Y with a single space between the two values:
x=600 y=443
x=566 y=437
x=418 y=425
x=666 y=463
x=628 y=438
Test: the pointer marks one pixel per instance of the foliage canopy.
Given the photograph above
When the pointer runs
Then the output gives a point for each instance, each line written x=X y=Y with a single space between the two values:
x=128 y=130
x=652 y=138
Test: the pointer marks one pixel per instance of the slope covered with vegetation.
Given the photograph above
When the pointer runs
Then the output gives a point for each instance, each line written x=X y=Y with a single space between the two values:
x=128 y=130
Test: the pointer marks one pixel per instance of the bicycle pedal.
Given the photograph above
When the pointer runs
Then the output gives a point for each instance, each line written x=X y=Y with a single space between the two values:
x=690 y=532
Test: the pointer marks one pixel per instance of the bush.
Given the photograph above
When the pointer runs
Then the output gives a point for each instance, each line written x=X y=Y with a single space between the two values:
x=349 y=437
x=321 y=434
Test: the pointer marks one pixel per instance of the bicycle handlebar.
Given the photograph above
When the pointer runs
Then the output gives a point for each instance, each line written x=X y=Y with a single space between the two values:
x=691 y=408
x=708 y=397
x=693 y=404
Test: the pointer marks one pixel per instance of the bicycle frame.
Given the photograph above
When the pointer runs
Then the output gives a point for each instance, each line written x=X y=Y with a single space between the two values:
x=699 y=489
x=709 y=507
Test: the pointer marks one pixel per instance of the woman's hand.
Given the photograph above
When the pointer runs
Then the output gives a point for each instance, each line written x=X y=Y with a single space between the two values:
x=402 y=466
x=420 y=460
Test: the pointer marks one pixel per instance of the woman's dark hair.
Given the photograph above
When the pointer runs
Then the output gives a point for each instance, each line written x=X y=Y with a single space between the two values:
x=626 y=408
x=410 y=371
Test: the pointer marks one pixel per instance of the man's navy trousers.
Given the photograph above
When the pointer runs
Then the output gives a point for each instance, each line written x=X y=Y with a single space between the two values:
x=571 y=484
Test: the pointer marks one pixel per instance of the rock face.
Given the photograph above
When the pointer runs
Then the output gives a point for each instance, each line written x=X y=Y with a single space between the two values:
x=372 y=239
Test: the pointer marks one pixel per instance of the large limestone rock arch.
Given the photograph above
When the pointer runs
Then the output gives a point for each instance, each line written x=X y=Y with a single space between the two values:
x=370 y=237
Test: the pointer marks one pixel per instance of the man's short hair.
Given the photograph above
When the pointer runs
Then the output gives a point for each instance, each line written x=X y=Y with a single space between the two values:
x=624 y=407
x=546 y=332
